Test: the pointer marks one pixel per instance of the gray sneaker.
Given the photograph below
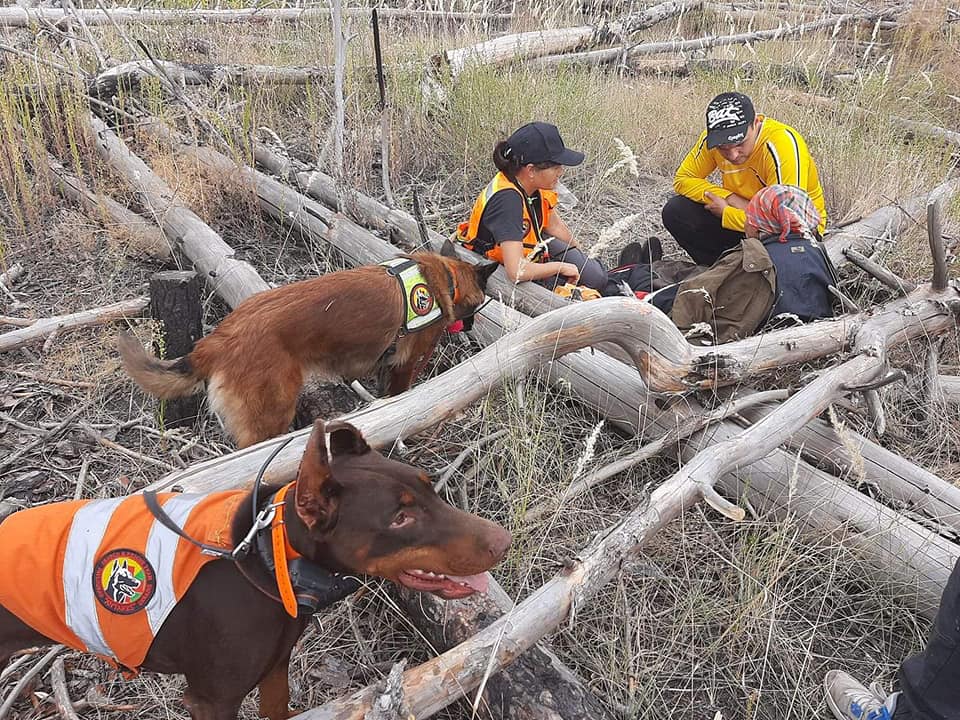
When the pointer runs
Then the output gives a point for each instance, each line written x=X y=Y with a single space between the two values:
x=850 y=700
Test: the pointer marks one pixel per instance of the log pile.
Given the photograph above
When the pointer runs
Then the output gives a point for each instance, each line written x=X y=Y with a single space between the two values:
x=725 y=463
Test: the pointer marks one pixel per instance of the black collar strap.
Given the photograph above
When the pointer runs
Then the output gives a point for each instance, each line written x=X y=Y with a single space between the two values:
x=315 y=587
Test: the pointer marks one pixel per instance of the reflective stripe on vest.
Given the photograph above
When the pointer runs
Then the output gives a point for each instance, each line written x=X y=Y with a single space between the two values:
x=421 y=307
x=467 y=231
x=103 y=575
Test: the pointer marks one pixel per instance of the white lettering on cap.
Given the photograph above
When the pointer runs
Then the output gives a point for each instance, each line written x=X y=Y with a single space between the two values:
x=725 y=115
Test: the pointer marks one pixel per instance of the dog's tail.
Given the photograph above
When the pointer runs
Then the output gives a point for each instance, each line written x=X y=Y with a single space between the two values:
x=164 y=379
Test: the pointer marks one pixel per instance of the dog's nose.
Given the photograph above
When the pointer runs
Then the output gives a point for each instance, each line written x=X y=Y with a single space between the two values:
x=499 y=541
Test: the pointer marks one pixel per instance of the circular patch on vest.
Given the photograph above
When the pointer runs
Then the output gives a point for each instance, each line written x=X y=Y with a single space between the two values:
x=525 y=226
x=123 y=581
x=421 y=299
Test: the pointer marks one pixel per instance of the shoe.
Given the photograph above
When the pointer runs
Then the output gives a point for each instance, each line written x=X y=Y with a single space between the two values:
x=849 y=700
x=635 y=253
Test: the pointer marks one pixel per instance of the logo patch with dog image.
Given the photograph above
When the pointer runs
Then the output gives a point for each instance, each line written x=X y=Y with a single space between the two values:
x=421 y=299
x=123 y=581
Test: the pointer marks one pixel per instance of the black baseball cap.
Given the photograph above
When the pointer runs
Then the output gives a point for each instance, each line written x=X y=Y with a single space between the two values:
x=729 y=116
x=540 y=142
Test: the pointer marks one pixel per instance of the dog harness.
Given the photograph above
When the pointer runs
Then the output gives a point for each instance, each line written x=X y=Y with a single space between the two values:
x=422 y=308
x=103 y=575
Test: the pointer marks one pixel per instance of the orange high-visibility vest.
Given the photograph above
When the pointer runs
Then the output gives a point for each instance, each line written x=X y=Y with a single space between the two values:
x=467 y=231
x=102 y=575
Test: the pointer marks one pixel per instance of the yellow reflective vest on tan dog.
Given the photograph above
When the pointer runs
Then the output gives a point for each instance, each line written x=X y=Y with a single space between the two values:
x=103 y=575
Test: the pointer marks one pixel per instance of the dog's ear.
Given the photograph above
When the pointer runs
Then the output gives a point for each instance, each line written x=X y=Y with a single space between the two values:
x=316 y=491
x=345 y=439
x=483 y=272
x=448 y=250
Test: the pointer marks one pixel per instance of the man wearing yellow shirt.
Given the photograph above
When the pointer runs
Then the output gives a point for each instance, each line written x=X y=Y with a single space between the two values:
x=749 y=151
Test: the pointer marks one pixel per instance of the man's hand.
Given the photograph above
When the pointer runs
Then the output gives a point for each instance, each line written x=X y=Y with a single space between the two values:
x=714 y=203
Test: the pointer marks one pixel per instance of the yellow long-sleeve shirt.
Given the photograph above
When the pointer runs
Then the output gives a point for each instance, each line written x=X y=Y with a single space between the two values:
x=780 y=157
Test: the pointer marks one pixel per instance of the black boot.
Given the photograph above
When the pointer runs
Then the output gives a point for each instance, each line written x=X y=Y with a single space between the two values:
x=635 y=253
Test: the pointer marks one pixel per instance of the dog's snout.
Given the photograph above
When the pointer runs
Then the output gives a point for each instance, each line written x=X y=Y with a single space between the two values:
x=498 y=543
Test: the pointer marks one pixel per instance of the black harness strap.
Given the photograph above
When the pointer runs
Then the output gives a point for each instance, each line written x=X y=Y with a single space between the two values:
x=160 y=514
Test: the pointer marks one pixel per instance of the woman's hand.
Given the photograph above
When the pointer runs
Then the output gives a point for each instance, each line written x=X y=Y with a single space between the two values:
x=570 y=271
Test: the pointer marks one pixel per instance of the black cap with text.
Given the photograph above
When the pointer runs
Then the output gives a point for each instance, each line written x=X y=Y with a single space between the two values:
x=729 y=116
x=540 y=142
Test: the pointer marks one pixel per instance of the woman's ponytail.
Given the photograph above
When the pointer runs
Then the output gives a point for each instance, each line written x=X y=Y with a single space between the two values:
x=505 y=159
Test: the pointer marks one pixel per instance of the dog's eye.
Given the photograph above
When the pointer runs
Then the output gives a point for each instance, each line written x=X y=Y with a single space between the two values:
x=401 y=519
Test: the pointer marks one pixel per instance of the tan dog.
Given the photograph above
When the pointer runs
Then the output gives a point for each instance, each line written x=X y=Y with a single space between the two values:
x=341 y=326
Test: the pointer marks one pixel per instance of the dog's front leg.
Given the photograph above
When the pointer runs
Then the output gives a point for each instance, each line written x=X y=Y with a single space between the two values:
x=275 y=691
x=401 y=378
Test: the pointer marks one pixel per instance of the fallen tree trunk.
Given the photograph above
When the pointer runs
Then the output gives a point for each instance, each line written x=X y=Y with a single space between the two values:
x=128 y=75
x=144 y=235
x=542 y=42
x=45 y=327
x=950 y=387
x=15 y=16
x=917 y=127
x=608 y=55
x=849 y=454
x=231 y=279
x=886 y=222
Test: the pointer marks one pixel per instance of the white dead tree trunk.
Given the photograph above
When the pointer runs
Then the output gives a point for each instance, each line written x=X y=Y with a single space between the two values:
x=231 y=279
x=45 y=327
x=16 y=16
x=600 y=57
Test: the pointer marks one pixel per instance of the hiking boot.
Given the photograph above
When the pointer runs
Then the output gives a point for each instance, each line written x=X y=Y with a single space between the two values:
x=635 y=253
x=849 y=700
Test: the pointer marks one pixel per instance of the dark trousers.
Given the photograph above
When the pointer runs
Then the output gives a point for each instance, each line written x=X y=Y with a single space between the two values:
x=697 y=230
x=930 y=682
x=593 y=274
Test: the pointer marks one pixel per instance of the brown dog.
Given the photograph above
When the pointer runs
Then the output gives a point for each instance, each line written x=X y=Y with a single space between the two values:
x=350 y=511
x=341 y=326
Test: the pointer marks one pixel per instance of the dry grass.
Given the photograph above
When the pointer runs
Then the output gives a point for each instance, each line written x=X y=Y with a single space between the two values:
x=741 y=620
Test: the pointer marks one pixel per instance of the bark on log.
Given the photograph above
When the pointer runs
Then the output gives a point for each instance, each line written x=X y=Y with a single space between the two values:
x=144 y=235
x=44 y=327
x=600 y=57
x=231 y=279
x=15 y=16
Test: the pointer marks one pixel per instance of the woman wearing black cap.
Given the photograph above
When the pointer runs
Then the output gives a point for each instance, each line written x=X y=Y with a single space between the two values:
x=515 y=221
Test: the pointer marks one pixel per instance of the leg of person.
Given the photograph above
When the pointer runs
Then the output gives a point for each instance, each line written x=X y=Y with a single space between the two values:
x=592 y=272
x=697 y=230
x=928 y=681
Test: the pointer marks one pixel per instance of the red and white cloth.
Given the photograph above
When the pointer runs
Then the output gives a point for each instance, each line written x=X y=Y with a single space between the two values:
x=781 y=210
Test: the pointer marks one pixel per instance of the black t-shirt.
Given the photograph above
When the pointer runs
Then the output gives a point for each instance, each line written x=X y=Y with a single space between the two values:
x=502 y=219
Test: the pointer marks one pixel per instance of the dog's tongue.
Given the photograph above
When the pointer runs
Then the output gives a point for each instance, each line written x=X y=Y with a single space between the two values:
x=477 y=582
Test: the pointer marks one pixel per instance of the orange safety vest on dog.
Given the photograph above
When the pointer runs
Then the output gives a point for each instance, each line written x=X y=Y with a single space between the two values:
x=102 y=575
x=467 y=231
